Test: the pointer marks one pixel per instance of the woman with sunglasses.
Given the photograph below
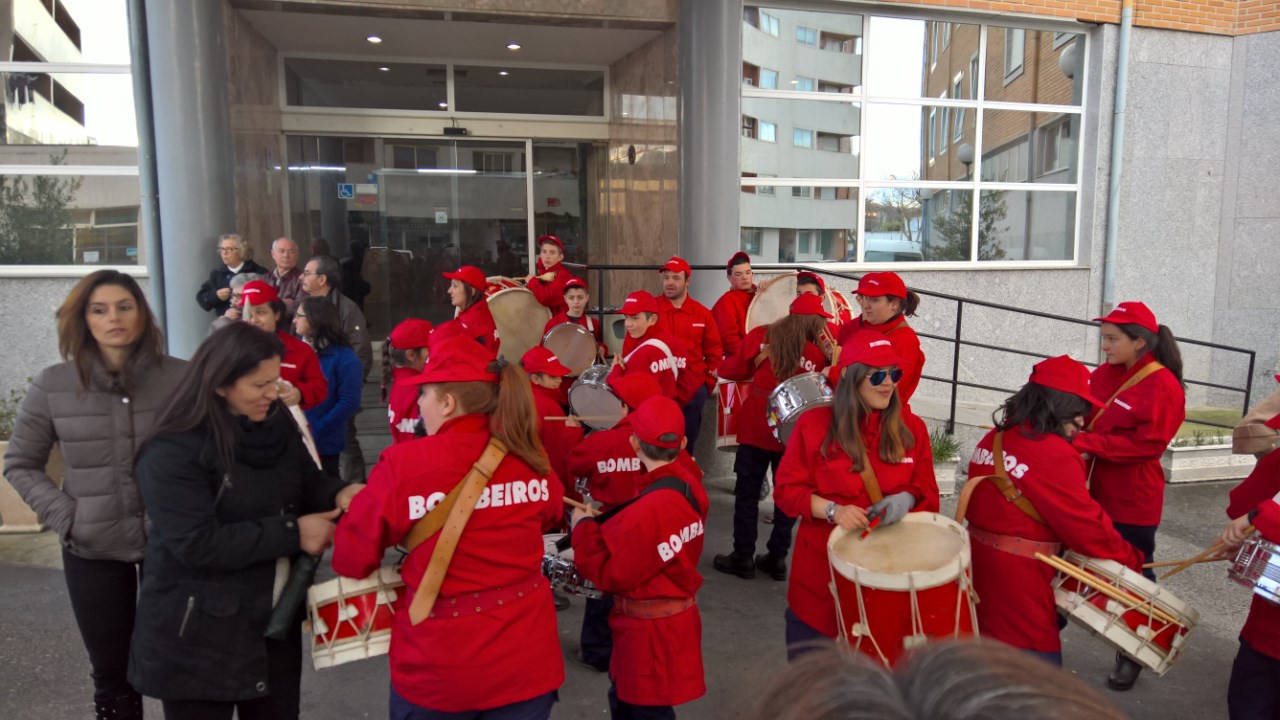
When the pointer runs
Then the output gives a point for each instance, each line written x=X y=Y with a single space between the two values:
x=1034 y=429
x=886 y=303
x=837 y=460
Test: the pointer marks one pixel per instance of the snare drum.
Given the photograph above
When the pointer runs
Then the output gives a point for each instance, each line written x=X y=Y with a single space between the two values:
x=351 y=619
x=839 y=306
x=558 y=566
x=574 y=346
x=1152 y=643
x=730 y=396
x=794 y=397
x=902 y=586
x=590 y=396
x=517 y=314
x=1257 y=567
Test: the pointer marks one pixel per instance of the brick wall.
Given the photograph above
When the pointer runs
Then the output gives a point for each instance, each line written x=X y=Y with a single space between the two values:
x=1219 y=17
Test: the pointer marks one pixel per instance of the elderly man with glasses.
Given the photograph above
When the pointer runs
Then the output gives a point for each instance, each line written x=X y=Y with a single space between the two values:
x=237 y=258
x=287 y=277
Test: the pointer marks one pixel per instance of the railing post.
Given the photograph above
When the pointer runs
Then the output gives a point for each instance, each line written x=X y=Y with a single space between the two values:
x=955 y=366
x=1248 y=383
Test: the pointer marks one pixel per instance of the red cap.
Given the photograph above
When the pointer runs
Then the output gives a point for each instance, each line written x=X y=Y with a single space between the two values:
x=1273 y=423
x=1063 y=373
x=542 y=360
x=738 y=257
x=659 y=421
x=410 y=334
x=809 y=304
x=678 y=264
x=875 y=284
x=469 y=274
x=456 y=358
x=575 y=282
x=635 y=388
x=257 y=292
x=638 y=302
x=551 y=239
x=808 y=277
x=869 y=348
x=1132 y=312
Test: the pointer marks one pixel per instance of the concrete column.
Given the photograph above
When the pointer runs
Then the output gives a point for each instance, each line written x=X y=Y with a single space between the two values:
x=194 y=159
x=710 y=42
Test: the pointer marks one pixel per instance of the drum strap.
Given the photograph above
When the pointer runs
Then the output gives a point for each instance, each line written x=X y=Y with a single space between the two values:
x=458 y=513
x=661 y=346
x=670 y=482
x=1002 y=482
x=869 y=479
x=1137 y=377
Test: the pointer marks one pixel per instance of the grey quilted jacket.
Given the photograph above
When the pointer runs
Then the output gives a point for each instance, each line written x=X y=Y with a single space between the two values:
x=98 y=512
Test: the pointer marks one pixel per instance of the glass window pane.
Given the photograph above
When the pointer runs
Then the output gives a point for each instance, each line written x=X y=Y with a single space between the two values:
x=815 y=138
x=529 y=91
x=1031 y=66
x=800 y=224
x=562 y=175
x=88 y=31
x=909 y=57
x=356 y=84
x=912 y=143
x=827 y=51
x=67 y=219
x=1029 y=147
x=70 y=109
x=1026 y=225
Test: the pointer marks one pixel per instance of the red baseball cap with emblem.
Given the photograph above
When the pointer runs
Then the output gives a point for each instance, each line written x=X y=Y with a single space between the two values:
x=737 y=259
x=811 y=279
x=869 y=348
x=659 y=422
x=640 y=301
x=875 y=284
x=575 y=283
x=469 y=274
x=542 y=360
x=635 y=388
x=678 y=264
x=257 y=292
x=1132 y=312
x=410 y=334
x=1064 y=374
x=550 y=239
x=809 y=304
x=456 y=358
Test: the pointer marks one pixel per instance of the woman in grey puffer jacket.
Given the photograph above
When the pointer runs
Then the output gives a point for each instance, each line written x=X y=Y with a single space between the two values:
x=97 y=406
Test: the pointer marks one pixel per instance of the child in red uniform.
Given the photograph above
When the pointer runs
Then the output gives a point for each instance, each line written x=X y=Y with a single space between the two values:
x=1123 y=443
x=558 y=436
x=792 y=348
x=646 y=553
x=547 y=284
x=403 y=355
x=886 y=303
x=650 y=349
x=811 y=283
x=692 y=323
x=1035 y=428
x=730 y=311
x=466 y=293
x=820 y=478
x=500 y=654
x=303 y=383
x=576 y=297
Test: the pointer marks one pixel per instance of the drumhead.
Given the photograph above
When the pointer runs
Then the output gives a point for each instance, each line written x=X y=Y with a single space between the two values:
x=923 y=550
x=772 y=302
x=590 y=396
x=573 y=345
x=520 y=319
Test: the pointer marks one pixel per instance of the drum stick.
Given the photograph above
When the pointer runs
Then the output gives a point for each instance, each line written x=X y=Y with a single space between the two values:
x=1171 y=563
x=580 y=417
x=1116 y=594
x=580 y=506
x=1213 y=550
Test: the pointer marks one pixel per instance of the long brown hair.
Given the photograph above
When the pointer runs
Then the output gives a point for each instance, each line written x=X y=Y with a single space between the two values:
x=509 y=405
x=76 y=343
x=787 y=338
x=849 y=410
x=1162 y=344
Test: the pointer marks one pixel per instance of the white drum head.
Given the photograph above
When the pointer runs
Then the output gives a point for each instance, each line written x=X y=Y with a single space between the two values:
x=573 y=345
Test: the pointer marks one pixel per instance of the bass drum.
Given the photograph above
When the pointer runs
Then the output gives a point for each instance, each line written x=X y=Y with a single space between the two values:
x=772 y=302
x=590 y=397
x=517 y=314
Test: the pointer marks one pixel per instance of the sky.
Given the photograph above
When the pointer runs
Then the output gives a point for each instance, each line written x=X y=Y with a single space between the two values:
x=108 y=99
x=894 y=65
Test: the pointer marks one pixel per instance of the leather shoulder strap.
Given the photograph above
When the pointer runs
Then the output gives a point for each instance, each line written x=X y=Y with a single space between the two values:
x=670 y=482
x=1136 y=378
x=1002 y=482
x=869 y=479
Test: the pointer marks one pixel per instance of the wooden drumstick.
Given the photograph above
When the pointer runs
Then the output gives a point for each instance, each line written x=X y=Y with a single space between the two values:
x=1171 y=563
x=590 y=418
x=580 y=506
x=1114 y=593
x=1213 y=550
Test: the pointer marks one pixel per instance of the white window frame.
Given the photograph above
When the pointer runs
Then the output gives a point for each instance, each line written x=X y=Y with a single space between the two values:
x=801 y=80
x=801 y=29
x=795 y=135
x=765 y=84
x=770 y=24
x=957 y=87
x=1014 y=38
x=773 y=131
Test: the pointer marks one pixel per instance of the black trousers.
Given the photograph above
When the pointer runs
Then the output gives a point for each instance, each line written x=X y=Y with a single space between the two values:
x=330 y=464
x=596 y=638
x=619 y=710
x=693 y=417
x=1142 y=537
x=352 y=457
x=104 y=598
x=284 y=678
x=1254 y=690
x=750 y=464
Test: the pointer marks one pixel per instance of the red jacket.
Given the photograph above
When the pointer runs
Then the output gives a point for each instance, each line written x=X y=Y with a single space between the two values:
x=905 y=343
x=1262 y=628
x=650 y=550
x=612 y=470
x=694 y=325
x=478 y=323
x=557 y=437
x=1129 y=437
x=550 y=294
x=804 y=472
x=1017 y=606
x=301 y=367
x=506 y=654
x=753 y=426
x=402 y=405
x=649 y=356
x=730 y=312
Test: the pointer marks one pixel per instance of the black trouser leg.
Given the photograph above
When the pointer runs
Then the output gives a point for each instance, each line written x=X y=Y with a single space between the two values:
x=693 y=418
x=750 y=465
x=1142 y=537
x=353 y=470
x=1254 y=690
x=284 y=675
x=104 y=597
x=596 y=638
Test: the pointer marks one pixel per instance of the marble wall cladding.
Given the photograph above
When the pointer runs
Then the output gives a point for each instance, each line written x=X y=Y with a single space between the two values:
x=643 y=163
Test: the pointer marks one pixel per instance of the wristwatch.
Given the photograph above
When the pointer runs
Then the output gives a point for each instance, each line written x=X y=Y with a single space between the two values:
x=831 y=512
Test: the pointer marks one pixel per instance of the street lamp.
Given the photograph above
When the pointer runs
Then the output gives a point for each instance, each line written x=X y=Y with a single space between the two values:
x=964 y=153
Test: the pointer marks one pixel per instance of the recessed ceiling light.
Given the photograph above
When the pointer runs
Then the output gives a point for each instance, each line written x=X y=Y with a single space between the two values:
x=513 y=46
x=385 y=69
x=374 y=39
x=503 y=73
x=444 y=105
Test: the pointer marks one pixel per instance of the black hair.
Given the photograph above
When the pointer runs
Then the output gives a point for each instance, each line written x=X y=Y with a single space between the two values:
x=1043 y=409
x=660 y=454
x=331 y=269
x=326 y=326
x=1162 y=344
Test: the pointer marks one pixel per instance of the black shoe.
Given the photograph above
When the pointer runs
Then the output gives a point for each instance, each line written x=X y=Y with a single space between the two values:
x=1124 y=674
x=561 y=600
x=775 y=566
x=597 y=666
x=735 y=564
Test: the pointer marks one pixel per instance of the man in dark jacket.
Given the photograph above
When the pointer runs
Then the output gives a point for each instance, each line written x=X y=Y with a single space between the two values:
x=237 y=257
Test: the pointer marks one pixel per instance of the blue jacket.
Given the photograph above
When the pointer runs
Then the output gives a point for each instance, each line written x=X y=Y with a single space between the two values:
x=328 y=420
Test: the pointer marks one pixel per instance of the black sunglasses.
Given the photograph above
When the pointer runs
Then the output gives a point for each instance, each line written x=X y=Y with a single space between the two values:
x=878 y=376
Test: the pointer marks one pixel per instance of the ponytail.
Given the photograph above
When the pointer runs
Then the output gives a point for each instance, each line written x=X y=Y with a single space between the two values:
x=910 y=304
x=515 y=420
x=1162 y=345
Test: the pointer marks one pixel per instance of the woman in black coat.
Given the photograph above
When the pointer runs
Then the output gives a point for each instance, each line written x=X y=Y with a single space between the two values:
x=231 y=492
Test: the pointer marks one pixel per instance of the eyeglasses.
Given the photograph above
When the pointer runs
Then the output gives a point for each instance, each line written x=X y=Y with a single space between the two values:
x=877 y=377
x=224 y=250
